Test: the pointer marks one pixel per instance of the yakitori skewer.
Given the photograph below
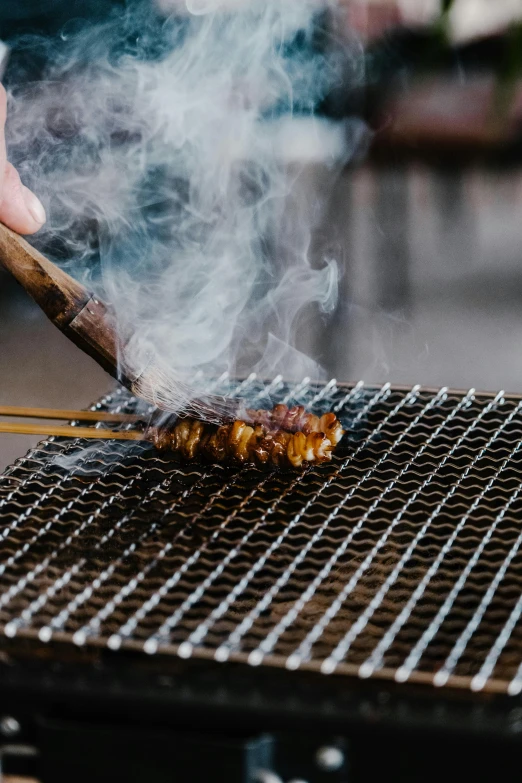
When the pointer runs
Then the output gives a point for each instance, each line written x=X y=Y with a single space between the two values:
x=283 y=437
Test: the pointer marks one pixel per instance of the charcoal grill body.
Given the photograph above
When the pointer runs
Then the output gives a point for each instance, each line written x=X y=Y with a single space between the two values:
x=174 y=622
x=205 y=722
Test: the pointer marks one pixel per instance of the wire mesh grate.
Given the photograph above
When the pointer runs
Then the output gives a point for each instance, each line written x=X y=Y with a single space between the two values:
x=400 y=559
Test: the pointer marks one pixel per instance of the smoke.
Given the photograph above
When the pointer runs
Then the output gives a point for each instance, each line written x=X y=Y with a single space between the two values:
x=158 y=146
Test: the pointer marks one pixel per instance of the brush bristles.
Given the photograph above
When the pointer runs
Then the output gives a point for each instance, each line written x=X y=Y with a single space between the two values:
x=167 y=392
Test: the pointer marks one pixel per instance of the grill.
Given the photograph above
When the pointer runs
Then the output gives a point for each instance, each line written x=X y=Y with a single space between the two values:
x=400 y=560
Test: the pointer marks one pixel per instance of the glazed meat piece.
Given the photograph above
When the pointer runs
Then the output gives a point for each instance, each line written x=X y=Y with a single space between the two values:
x=261 y=441
x=297 y=419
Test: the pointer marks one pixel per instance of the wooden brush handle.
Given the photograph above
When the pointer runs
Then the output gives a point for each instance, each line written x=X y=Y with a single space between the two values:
x=59 y=295
x=69 y=305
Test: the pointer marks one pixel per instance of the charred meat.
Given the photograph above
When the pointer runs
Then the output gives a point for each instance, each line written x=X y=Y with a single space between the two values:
x=284 y=437
x=297 y=419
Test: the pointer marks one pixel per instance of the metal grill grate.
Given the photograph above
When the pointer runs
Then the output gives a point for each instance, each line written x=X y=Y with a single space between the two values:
x=400 y=559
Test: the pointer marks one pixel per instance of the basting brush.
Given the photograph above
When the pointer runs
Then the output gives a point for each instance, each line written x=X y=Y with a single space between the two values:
x=91 y=325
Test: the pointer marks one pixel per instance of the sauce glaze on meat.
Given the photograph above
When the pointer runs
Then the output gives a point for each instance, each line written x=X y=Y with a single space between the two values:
x=283 y=437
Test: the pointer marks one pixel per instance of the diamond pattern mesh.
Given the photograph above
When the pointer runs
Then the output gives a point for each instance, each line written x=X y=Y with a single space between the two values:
x=400 y=559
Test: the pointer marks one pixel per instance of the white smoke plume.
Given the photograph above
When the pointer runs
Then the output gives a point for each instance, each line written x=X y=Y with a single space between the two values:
x=155 y=145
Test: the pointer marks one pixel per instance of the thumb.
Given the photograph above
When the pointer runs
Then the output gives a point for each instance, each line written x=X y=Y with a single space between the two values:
x=20 y=209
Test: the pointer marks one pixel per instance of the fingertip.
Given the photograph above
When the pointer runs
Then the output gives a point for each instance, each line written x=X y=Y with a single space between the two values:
x=20 y=209
x=34 y=206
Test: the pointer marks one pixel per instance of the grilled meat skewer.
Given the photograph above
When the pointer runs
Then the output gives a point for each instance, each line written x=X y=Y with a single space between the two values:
x=259 y=441
x=302 y=439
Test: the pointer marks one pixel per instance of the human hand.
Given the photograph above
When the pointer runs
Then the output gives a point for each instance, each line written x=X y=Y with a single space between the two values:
x=20 y=209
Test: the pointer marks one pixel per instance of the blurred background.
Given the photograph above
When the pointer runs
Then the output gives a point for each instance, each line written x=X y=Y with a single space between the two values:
x=425 y=221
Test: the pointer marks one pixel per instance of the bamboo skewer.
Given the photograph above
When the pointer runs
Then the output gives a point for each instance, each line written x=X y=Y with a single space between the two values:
x=68 y=415
x=69 y=432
